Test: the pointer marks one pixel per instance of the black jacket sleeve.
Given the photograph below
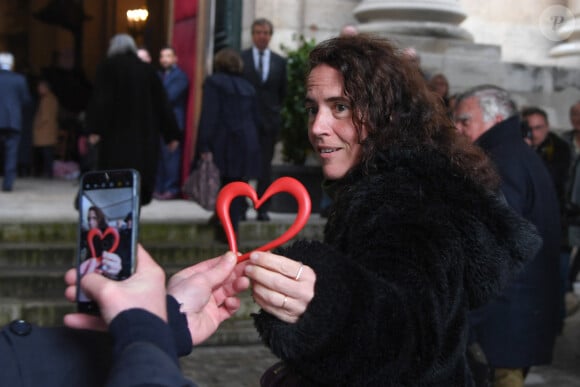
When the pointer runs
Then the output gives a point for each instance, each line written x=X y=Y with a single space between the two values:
x=144 y=352
x=144 y=364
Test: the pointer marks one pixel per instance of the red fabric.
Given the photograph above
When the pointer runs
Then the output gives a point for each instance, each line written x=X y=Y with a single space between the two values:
x=184 y=9
x=184 y=42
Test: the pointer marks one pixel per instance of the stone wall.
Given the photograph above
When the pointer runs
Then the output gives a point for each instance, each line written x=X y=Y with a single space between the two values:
x=515 y=26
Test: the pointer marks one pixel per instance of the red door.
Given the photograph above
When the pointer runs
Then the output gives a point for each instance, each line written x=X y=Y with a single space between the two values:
x=185 y=20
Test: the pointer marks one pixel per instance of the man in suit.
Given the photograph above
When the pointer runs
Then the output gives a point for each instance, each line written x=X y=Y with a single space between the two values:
x=176 y=85
x=266 y=71
x=517 y=330
x=557 y=157
x=14 y=97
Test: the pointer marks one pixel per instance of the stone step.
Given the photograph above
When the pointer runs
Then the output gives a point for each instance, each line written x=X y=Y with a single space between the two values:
x=36 y=269
x=43 y=312
x=44 y=283
x=37 y=232
x=267 y=231
x=45 y=308
x=48 y=282
x=62 y=255
x=150 y=232
x=67 y=232
x=235 y=331
x=33 y=256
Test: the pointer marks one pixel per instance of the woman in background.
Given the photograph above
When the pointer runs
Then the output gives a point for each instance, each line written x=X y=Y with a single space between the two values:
x=45 y=129
x=228 y=126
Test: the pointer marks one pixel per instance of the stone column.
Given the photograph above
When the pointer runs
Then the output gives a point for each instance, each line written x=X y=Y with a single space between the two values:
x=432 y=18
x=568 y=33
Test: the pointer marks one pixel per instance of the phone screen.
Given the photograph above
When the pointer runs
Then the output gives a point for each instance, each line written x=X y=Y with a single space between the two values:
x=108 y=227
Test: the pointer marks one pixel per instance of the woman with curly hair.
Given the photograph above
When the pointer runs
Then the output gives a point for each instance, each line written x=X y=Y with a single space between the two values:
x=416 y=237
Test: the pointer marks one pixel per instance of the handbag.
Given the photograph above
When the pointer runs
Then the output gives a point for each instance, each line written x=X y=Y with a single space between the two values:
x=203 y=184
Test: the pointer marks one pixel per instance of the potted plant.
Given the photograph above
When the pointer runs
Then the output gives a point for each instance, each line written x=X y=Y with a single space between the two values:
x=294 y=131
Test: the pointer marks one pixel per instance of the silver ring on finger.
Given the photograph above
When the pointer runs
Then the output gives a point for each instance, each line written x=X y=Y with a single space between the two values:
x=284 y=302
x=299 y=274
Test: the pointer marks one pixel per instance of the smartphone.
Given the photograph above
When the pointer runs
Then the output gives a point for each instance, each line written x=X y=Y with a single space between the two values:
x=108 y=205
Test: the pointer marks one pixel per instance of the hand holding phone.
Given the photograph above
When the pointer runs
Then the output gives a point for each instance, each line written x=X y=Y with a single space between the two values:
x=144 y=290
x=108 y=227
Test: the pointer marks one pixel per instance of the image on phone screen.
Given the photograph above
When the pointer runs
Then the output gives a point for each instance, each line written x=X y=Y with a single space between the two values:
x=108 y=220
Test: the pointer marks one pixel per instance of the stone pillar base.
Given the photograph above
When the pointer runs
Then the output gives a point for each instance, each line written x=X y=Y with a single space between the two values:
x=424 y=28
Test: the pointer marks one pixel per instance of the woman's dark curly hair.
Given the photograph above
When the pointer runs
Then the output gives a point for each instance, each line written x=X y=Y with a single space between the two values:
x=101 y=218
x=390 y=98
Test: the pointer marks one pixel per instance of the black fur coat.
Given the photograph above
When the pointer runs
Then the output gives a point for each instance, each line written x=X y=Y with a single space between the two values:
x=409 y=248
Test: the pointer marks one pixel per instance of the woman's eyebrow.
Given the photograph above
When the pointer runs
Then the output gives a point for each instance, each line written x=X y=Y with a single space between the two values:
x=329 y=99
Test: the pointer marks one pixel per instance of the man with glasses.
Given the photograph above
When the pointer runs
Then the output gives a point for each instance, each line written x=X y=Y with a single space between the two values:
x=517 y=330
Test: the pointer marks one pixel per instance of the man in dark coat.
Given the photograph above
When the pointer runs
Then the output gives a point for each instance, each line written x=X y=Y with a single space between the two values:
x=128 y=111
x=14 y=97
x=266 y=71
x=553 y=150
x=572 y=138
x=557 y=156
x=518 y=329
x=176 y=85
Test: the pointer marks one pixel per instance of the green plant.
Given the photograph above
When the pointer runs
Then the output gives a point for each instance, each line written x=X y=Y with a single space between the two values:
x=294 y=131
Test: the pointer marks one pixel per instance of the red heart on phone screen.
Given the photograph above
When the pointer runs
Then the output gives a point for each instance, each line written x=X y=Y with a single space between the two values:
x=283 y=184
x=97 y=233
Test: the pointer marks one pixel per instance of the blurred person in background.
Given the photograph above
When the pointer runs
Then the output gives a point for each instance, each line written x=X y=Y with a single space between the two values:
x=144 y=54
x=14 y=98
x=228 y=127
x=557 y=156
x=552 y=149
x=127 y=113
x=45 y=129
x=167 y=185
x=517 y=329
x=439 y=84
x=572 y=137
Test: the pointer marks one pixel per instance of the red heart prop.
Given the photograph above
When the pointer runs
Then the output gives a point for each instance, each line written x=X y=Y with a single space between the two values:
x=283 y=184
x=95 y=232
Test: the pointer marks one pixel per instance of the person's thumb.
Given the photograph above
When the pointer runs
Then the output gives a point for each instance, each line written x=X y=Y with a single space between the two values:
x=92 y=284
x=222 y=270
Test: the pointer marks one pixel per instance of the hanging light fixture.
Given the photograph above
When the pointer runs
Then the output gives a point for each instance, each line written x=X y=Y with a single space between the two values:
x=136 y=20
